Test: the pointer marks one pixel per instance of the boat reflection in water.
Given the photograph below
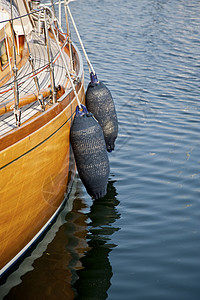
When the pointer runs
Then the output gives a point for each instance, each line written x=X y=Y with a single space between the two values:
x=94 y=278
x=75 y=264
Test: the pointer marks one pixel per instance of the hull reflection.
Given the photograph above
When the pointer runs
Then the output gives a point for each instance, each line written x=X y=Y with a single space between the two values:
x=74 y=264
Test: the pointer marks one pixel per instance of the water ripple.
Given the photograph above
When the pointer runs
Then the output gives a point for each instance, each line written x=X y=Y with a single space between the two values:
x=147 y=52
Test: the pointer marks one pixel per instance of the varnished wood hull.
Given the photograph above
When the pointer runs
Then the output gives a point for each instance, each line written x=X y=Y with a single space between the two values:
x=34 y=175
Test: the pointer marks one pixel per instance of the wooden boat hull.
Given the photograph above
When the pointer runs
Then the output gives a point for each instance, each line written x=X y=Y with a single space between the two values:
x=35 y=172
x=36 y=161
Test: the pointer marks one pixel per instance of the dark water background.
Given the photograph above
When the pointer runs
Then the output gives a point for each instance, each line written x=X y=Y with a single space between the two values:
x=142 y=241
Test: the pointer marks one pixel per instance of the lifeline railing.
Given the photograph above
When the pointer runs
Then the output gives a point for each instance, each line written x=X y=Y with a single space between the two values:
x=46 y=17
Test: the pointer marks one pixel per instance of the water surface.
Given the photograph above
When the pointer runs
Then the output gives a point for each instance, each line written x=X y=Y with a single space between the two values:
x=142 y=240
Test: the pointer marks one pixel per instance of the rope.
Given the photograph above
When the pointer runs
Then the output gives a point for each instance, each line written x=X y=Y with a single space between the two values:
x=41 y=70
x=8 y=84
x=80 y=41
x=31 y=76
x=68 y=73
x=53 y=61
x=16 y=18
x=65 y=33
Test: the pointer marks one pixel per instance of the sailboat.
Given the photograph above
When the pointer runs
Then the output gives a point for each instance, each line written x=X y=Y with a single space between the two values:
x=41 y=84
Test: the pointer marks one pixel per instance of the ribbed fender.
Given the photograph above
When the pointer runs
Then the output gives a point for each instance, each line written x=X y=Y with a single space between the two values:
x=99 y=101
x=90 y=154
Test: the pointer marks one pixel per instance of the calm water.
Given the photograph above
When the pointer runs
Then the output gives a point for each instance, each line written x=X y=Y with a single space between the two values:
x=142 y=241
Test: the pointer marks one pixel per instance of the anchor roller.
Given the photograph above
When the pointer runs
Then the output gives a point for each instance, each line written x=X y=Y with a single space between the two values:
x=90 y=153
x=99 y=101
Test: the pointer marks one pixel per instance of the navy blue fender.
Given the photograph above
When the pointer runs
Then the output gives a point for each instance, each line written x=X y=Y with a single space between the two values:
x=90 y=153
x=99 y=101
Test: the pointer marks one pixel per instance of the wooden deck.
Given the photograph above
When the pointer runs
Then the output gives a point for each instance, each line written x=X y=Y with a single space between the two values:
x=26 y=83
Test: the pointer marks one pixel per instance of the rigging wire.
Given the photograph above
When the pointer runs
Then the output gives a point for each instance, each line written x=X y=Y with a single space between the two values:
x=52 y=60
x=37 y=71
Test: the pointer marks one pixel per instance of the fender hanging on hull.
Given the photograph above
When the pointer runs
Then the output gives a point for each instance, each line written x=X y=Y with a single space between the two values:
x=99 y=101
x=90 y=154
